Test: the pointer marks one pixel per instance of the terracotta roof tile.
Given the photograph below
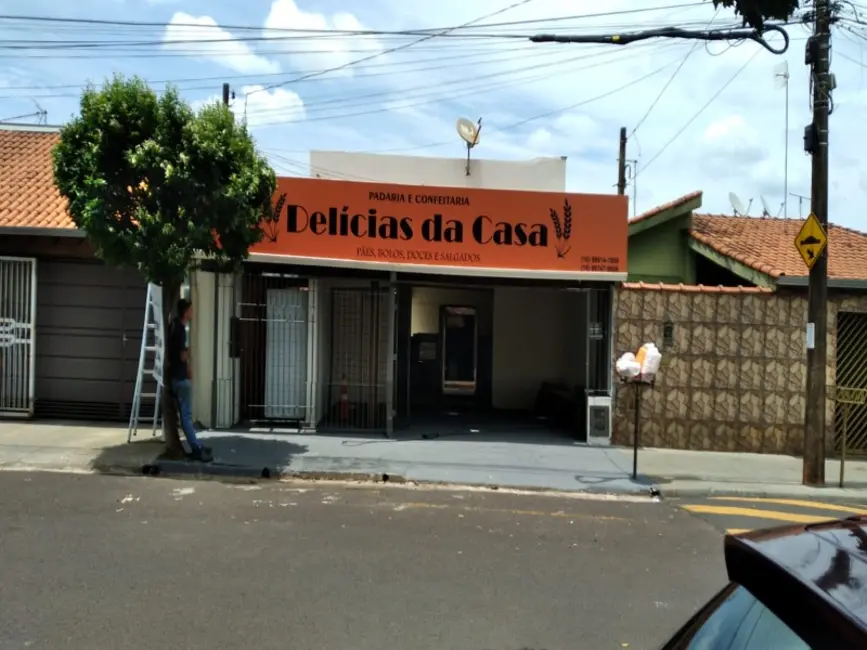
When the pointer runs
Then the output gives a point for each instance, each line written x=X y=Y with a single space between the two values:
x=767 y=245
x=692 y=288
x=28 y=197
x=666 y=206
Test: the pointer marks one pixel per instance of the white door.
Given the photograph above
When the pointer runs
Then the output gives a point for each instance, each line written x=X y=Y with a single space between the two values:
x=17 y=332
x=286 y=354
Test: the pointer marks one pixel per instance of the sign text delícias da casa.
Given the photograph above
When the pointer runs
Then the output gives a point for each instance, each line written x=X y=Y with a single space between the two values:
x=374 y=225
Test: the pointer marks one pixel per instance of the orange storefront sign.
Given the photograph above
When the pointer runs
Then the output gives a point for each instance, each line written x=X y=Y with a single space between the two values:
x=378 y=223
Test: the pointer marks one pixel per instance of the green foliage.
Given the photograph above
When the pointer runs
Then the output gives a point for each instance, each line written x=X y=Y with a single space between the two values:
x=151 y=182
x=756 y=12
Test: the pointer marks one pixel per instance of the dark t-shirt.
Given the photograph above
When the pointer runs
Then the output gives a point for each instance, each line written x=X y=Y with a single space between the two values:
x=177 y=343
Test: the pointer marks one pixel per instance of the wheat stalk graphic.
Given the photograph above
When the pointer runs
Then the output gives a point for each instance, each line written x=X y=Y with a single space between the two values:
x=562 y=229
x=271 y=219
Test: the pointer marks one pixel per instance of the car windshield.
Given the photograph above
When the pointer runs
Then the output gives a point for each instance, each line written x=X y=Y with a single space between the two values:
x=740 y=622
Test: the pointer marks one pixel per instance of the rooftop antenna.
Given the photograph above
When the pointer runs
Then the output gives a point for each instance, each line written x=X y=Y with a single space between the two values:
x=766 y=209
x=469 y=133
x=801 y=198
x=738 y=205
x=781 y=80
x=41 y=113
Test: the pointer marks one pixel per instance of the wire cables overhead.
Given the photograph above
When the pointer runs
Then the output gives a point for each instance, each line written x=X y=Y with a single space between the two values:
x=697 y=114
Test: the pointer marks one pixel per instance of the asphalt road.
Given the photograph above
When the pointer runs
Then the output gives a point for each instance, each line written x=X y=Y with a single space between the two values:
x=95 y=562
x=741 y=514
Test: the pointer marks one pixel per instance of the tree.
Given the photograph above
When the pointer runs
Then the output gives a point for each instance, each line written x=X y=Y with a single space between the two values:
x=756 y=12
x=155 y=185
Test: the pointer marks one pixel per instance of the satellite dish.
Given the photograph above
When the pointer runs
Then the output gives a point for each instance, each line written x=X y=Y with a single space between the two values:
x=468 y=131
x=766 y=210
x=737 y=204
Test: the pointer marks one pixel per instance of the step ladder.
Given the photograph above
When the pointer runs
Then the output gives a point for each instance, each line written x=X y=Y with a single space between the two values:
x=150 y=365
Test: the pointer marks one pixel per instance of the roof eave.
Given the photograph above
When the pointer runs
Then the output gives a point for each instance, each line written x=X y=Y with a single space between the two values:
x=41 y=232
x=640 y=225
x=859 y=284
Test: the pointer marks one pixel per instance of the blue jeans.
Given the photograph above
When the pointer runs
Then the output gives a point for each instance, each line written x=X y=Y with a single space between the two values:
x=183 y=390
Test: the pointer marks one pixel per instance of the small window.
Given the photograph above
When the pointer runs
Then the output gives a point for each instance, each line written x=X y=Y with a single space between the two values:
x=740 y=622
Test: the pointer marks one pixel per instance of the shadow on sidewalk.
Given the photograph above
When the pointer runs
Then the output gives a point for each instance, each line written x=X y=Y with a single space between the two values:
x=233 y=455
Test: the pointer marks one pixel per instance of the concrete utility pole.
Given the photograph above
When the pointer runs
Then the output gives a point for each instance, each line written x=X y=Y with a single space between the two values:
x=816 y=142
x=226 y=93
x=621 y=163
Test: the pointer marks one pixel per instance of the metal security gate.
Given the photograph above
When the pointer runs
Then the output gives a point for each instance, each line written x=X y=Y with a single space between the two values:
x=358 y=384
x=286 y=354
x=851 y=373
x=273 y=341
x=17 y=332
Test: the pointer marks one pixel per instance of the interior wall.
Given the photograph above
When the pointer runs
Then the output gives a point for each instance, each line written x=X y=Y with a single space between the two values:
x=427 y=301
x=536 y=339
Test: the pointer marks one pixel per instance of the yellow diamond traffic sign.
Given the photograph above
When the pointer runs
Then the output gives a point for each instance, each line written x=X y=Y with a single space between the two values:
x=811 y=240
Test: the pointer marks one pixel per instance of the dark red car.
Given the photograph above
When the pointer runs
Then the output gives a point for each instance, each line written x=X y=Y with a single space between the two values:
x=791 y=588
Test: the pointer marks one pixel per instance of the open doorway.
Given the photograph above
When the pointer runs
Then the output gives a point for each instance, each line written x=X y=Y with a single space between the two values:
x=503 y=361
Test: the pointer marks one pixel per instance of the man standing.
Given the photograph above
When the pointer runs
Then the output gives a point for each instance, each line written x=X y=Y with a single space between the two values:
x=180 y=377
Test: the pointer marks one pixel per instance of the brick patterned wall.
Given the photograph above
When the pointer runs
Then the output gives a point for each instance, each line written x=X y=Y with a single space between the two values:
x=734 y=377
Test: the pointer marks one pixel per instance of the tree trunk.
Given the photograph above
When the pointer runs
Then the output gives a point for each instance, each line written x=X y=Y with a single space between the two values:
x=174 y=448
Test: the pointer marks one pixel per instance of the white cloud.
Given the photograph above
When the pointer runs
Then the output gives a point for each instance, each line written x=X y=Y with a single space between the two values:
x=233 y=54
x=335 y=51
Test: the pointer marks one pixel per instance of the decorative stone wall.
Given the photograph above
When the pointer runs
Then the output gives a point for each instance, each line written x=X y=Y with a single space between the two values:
x=734 y=367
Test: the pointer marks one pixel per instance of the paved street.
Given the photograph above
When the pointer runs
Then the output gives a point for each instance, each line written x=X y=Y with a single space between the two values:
x=741 y=514
x=92 y=562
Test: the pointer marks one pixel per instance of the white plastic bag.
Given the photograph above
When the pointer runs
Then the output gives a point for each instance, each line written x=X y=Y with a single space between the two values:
x=652 y=361
x=627 y=367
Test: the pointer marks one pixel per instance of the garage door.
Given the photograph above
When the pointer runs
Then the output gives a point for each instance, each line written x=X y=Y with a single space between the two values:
x=88 y=335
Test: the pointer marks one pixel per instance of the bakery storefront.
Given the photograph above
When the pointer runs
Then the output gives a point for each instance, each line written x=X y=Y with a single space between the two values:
x=371 y=307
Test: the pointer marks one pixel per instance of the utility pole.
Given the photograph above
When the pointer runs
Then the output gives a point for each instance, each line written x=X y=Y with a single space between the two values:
x=226 y=93
x=816 y=141
x=621 y=163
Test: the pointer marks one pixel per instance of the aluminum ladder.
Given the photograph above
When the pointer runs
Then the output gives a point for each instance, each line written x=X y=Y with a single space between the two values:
x=150 y=365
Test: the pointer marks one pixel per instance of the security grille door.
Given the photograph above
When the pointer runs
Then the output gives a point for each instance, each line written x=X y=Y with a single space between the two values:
x=286 y=354
x=17 y=322
x=851 y=373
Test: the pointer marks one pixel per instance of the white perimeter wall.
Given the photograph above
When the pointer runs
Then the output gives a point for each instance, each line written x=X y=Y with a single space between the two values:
x=202 y=333
x=537 y=174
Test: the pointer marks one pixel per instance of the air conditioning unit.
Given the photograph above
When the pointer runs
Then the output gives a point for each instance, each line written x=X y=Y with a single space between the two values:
x=599 y=420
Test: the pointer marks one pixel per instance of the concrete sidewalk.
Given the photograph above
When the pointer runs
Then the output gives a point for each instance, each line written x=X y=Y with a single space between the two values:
x=542 y=462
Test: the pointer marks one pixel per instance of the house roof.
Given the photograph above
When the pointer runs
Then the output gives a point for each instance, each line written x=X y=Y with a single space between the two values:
x=680 y=202
x=28 y=196
x=767 y=245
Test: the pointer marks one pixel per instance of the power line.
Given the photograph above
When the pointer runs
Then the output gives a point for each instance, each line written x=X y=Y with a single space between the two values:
x=698 y=113
x=387 y=51
x=431 y=31
x=410 y=68
x=539 y=116
x=671 y=78
x=437 y=97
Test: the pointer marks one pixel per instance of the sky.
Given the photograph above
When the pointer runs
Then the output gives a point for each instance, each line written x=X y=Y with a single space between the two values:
x=700 y=116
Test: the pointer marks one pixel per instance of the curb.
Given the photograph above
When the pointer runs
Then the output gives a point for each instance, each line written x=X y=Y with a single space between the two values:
x=764 y=493
x=178 y=469
x=207 y=471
